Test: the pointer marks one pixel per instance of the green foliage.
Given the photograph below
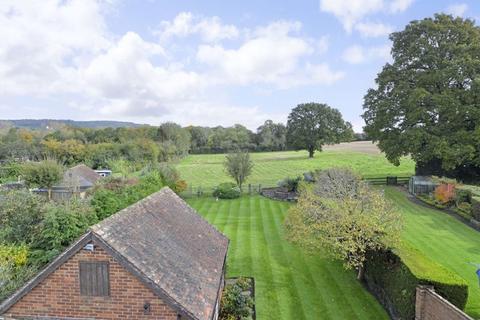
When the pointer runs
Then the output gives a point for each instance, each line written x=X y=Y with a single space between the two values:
x=462 y=195
x=426 y=101
x=20 y=215
x=227 y=190
x=476 y=208
x=345 y=219
x=291 y=184
x=174 y=139
x=42 y=174
x=238 y=166
x=115 y=194
x=14 y=270
x=236 y=305
x=394 y=276
x=312 y=125
x=61 y=225
x=272 y=136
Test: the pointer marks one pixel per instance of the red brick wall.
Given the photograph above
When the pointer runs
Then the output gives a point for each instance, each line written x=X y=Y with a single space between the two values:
x=429 y=305
x=59 y=295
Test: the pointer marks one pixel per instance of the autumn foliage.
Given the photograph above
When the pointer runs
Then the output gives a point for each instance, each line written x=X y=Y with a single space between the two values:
x=445 y=193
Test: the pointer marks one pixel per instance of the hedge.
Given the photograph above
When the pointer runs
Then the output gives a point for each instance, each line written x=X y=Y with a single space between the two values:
x=476 y=208
x=393 y=276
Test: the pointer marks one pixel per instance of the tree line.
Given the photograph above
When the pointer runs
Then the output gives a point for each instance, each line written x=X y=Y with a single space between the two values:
x=309 y=127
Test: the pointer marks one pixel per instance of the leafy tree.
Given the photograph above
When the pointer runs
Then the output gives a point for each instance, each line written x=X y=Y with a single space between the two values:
x=346 y=221
x=121 y=166
x=42 y=174
x=311 y=125
x=426 y=103
x=175 y=137
x=272 y=136
x=238 y=166
x=20 y=215
x=61 y=225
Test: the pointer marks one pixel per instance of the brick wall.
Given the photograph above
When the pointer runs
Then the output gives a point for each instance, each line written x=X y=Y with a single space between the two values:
x=429 y=305
x=59 y=295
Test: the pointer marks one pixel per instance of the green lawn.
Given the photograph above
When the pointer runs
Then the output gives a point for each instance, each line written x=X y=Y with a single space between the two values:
x=444 y=239
x=207 y=170
x=289 y=283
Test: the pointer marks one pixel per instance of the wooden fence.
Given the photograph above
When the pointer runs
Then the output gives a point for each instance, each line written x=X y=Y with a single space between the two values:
x=388 y=180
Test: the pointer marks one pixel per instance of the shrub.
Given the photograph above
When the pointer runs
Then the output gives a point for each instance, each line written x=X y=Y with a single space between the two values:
x=14 y=269
x=394 y=276
x=227 y=190
x=445 y=193
x=180 y=186
x=476 y=208
x=20 y=215
x=463 y=196
x=291 y=184
x=111 y=197
x=62 y=224
x=465 y=207
x=235 y=304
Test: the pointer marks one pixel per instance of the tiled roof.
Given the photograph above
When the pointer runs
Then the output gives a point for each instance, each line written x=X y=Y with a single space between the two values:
x=80 y=175
x=172 y=246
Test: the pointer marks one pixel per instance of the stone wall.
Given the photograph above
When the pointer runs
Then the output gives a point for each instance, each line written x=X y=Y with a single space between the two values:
x=429 y=305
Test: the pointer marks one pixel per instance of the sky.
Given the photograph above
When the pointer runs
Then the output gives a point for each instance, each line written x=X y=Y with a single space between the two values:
x=196 y=62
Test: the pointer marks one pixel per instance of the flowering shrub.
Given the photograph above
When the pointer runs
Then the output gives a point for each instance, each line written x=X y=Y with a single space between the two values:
x=445 y=193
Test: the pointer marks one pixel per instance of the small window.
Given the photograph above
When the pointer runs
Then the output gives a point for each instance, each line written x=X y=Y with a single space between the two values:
x=94 y=279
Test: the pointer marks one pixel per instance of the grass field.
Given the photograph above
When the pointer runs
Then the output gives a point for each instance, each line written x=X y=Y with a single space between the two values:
x=269 y=167
x=289 y=283
x=444 y=239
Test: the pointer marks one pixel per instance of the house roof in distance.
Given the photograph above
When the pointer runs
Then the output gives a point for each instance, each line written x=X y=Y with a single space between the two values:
x=80 y=175
x=164 y=242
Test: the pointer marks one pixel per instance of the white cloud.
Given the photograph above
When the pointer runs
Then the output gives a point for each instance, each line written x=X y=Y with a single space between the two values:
x=44 y=43
x=185 y=24
x=357 y=54
x=457 y=9
x=373 y=29
x=400 y=5
x=271 y=56
x=351 y=12
x=61 y=51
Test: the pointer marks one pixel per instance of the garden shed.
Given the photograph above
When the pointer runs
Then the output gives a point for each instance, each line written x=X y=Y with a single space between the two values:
x=421 y=185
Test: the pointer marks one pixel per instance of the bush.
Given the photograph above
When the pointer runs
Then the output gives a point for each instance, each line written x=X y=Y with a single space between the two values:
x=62 y=224
x=445 y=193
x=14 y=269
x=117 y=194
x=291 y=184
x=476 y=208
x=235 y=304
x=227 y=190
x=394 y=276
x=462 y=196
x=20 y=215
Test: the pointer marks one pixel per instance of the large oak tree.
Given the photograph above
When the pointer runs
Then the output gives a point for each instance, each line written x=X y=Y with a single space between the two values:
x=427 y=101
x=312 y=125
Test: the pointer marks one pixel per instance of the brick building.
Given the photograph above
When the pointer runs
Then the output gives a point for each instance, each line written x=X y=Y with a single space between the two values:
x=157 y=259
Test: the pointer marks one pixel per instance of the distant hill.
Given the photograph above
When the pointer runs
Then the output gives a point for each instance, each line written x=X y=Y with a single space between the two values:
x=42 y=124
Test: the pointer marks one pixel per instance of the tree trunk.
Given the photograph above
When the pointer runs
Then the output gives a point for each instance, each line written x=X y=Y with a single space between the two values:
x=361 y=273
x=311 y=152
x=49 y=194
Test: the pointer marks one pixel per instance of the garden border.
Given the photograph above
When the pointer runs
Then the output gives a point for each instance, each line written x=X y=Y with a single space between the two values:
x=448 y=211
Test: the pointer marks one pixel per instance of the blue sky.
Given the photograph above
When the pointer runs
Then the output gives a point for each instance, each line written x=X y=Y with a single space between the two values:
x=197 y=62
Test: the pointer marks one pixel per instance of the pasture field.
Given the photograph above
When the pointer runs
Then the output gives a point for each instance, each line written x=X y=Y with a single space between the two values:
x=289 y=284
x=443 y=239
x=270 y=167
